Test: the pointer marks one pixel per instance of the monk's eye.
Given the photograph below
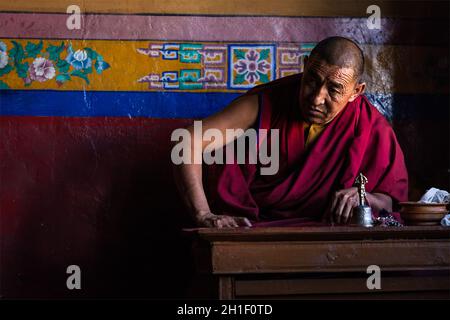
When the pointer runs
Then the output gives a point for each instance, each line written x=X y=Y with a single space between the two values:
x=334 y=91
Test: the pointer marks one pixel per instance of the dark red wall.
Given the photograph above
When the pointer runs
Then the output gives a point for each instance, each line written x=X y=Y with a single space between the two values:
x=95 y=192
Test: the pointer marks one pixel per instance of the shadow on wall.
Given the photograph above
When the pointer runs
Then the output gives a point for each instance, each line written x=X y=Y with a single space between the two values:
x=419 y=113
x=422 y=120
x=94 y=192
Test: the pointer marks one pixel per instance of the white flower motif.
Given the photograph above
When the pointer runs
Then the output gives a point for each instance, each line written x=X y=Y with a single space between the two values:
x=80 y=55
x=79 y=59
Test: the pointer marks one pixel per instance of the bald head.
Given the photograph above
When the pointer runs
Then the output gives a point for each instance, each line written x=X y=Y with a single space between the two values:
x=341 y=52
x=331 y=79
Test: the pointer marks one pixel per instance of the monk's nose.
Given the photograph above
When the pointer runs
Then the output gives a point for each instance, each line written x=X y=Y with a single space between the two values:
x=319 y=96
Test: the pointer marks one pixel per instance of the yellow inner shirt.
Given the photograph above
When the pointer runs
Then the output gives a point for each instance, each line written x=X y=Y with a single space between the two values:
x=312 y=132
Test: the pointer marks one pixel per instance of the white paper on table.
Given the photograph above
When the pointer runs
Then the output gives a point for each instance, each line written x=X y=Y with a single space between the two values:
x=434 y=195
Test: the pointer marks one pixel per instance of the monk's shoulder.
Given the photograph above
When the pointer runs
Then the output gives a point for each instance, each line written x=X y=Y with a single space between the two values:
x=375 y=117
x=380 y=127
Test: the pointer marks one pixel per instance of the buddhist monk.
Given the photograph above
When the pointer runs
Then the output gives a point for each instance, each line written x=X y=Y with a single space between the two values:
x=329 y=133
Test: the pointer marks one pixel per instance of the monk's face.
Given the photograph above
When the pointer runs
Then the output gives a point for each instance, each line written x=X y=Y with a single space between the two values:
x=326 y=90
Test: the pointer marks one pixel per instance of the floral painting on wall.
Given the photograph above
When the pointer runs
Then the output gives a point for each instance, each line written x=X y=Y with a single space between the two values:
x=60 y=63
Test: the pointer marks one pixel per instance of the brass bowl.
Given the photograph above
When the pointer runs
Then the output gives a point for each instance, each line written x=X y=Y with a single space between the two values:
x=422 y=214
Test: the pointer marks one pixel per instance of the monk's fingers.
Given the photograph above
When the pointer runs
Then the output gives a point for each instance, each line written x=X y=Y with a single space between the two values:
x=337 y=211
x=231 y=222
x=340 y=207
x=347 y=211
x=354 y=204
x=335 y=201
x=218 y=223
x=243 y=222
x=339 y=195
x=226 y=222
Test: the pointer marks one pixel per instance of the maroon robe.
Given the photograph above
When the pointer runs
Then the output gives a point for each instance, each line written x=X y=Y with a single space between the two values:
x=358 y=139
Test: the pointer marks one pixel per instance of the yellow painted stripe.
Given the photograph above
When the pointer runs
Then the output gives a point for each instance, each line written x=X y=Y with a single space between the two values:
x=389 y=69
x=127 y=66
x=331 y=8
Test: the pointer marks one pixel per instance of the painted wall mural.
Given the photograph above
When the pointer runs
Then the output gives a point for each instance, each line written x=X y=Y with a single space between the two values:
x=35 y=61
x=119 y=73
x=197 y=67
x=219 y=66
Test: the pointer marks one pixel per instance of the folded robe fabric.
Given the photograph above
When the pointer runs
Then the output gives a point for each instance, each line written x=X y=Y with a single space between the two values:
x=359 y=139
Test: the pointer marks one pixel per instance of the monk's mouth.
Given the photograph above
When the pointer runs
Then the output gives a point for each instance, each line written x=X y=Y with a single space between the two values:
x=315 y=111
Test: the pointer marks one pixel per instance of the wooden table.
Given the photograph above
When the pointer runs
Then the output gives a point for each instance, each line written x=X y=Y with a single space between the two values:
x=321 y=262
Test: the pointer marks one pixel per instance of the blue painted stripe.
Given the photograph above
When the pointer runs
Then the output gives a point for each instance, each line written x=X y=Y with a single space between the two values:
x=108 y=103
x=183 y=104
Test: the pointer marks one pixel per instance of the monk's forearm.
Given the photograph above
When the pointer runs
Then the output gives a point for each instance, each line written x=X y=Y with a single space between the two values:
x=379 y=201
x=188 y=178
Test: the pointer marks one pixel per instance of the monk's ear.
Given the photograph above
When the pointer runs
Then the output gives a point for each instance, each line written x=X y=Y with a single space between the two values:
x=359 y=90
x=305 y=63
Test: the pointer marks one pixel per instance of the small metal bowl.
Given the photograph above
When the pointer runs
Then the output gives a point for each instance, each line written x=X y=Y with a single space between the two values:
x=422 y=214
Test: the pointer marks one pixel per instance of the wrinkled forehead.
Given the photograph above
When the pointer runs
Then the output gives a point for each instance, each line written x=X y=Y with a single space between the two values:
x=324 y=70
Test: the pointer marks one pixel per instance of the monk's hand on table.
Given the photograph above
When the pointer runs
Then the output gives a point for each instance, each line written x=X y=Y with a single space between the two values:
x=211 y=220
x=342 y=205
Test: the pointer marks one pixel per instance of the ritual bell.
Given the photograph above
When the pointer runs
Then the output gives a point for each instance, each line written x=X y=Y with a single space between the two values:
x=362 y=214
